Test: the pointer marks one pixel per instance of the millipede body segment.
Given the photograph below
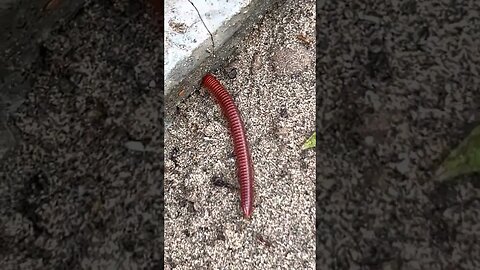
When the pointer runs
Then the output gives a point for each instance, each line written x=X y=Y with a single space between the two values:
x=240 y=144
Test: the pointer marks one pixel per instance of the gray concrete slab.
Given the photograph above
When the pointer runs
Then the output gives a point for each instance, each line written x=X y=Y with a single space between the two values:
x=272 y=80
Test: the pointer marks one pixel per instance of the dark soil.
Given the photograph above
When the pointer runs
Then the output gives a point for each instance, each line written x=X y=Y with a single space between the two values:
x=72 y=195
x=397 y=89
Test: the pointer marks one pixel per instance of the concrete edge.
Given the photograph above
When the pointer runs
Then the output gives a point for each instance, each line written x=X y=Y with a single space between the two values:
x=206 y=62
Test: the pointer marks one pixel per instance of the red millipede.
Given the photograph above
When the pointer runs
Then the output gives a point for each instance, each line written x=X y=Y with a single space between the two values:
x=240 y=144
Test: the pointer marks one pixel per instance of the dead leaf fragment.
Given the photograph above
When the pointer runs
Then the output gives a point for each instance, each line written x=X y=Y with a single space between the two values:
x=178 y=27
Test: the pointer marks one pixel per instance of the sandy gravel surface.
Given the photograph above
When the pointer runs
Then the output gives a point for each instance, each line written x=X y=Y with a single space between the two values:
x=272 y=80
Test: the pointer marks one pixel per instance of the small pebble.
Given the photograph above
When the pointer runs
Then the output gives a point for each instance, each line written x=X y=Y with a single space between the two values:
x=232 y=73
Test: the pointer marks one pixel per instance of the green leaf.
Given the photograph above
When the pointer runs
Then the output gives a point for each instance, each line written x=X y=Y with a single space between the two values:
x=310 y=143
x=464 y=159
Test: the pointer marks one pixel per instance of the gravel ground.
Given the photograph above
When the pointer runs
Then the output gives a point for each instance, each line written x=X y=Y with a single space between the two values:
x=72 y=195
x=397 y=89
x=272 y=80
